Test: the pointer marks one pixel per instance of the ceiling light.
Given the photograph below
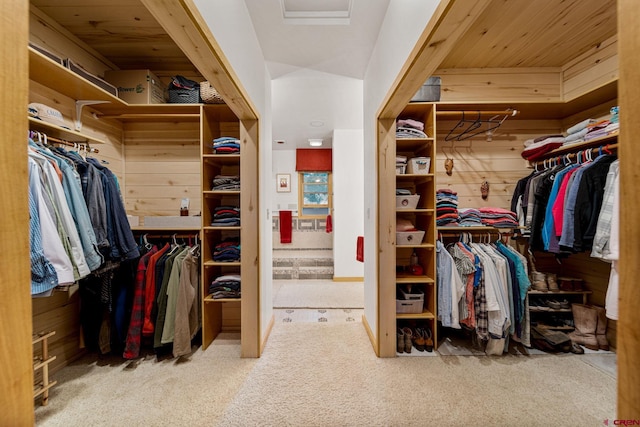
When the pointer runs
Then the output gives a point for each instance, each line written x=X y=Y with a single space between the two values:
x=315 y=142
x=316 y=12
x=316 y=123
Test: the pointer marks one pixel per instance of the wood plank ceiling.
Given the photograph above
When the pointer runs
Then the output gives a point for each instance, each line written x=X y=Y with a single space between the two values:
x=123 y=31
x=539 y=33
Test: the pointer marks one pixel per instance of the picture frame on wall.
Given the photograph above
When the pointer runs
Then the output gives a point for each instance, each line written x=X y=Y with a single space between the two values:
x=283 y=183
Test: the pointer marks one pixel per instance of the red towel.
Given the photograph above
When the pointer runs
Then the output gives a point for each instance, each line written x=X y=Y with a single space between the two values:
x=329 y=224
x=285 y=226
x=360 y=249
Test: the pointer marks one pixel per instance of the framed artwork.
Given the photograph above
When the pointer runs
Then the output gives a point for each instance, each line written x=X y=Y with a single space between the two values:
x=283 y=183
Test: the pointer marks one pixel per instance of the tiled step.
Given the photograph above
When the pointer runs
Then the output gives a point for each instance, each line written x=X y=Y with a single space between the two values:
x=302 y=268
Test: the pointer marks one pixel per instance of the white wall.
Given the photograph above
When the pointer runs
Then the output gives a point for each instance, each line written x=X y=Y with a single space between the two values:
x=404 y=22
x=284 y=161
x=348 y=201
x=231 y=25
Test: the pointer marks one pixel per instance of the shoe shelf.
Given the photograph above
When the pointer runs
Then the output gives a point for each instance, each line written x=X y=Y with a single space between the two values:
x=549 y=310
x=426 y=314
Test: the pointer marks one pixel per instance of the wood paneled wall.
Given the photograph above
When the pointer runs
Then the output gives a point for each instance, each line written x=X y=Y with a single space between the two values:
x=499 y=161
x=162 y=163
x=594 y=68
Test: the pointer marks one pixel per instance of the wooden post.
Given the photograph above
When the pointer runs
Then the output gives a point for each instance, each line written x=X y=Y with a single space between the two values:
x=629 y=152
x=16 y=350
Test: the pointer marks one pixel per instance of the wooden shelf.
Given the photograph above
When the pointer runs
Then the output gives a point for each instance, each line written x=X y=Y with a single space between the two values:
x=414 y=279
x=416 y=211
x=165 y=229
x=411 y=144
x=221 y=159
x=61 y=133
x=550 y=310
x=415 y=177
x=573 y=148
x=421 y=245
x=39 y=363
x=556 y=328
x=155 y=111
x=474 y=228
x=212 y=228
x=211 y=193
x=222 y=264
x=51 y=74
x=426 y=314
x=559 y=292
x=208 y=298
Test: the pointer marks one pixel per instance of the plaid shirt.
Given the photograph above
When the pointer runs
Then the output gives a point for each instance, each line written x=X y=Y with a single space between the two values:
x=482 y=315
x=134 y=336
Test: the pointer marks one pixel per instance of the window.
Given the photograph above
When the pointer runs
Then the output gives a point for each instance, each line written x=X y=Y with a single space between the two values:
x=314 y=194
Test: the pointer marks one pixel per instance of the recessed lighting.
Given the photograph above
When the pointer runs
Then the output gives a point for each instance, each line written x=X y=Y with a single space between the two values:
x=317 y=123
x=315 y=142
x=279 y=141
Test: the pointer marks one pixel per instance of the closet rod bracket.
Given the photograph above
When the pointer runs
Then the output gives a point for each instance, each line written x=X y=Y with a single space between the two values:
x=79 y=104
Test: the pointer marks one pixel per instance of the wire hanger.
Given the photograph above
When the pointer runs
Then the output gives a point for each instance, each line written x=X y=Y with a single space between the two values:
x=475 y=127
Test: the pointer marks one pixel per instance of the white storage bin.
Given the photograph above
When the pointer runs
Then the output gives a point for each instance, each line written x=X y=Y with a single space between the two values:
x=407 y=202
x=400 y=169
x=409 y=237
x=414 y=294
x=419 y=165
x=409 y=306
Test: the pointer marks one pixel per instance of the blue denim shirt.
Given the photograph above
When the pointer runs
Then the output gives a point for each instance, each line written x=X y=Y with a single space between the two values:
x=444 y=265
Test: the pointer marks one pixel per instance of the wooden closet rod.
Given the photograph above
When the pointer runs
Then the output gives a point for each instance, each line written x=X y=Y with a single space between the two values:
x=69 y=144
x=474 y=113
x=572 y=156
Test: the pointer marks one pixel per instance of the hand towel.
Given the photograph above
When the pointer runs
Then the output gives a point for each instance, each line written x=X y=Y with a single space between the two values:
x=285 y=226
x=329 y=226
x=360 y=249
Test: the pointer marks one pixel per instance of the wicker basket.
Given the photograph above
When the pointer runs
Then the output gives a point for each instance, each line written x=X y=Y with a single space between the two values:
x=209 y=94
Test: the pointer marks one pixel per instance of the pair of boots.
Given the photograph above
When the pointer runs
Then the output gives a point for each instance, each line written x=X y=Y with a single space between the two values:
x=590 y=327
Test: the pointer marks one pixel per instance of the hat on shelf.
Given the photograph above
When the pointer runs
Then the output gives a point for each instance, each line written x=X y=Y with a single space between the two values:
x=47 y=114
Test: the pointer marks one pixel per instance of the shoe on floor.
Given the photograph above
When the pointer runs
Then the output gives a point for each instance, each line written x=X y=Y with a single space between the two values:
x=400 y=341
x=418 y=339
x=408 y=335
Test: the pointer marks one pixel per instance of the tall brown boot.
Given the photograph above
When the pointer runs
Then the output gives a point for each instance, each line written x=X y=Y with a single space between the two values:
x=601 y=329
x=585 y=319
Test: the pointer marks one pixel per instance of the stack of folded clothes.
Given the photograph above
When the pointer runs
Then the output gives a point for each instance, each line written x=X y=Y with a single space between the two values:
x=498 y=217
x=577 y=132
x=600 y=129
x=446 y=207
x=227 y=251
x=226 y=182
x=401 y=164
x=226 y=216
x=536 y=148
x=409 y=128
x=470 y=217
x=227 y=286
x=226 y=145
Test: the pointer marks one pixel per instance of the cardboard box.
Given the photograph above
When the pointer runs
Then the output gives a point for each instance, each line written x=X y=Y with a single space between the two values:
x=137 y=86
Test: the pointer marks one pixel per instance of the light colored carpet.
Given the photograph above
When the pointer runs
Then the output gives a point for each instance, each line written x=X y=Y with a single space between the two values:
x=317 y=294
x=326 y=374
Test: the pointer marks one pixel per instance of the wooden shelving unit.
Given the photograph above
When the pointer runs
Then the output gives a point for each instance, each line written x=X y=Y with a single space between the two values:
x=423 y=217
x=42 y=363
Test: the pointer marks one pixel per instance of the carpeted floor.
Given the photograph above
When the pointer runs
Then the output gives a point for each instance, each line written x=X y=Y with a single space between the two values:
x=318 y=369
x=317 y=294
x=325 y=374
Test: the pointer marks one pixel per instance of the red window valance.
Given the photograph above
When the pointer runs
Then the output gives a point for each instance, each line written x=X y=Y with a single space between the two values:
x=313 y=160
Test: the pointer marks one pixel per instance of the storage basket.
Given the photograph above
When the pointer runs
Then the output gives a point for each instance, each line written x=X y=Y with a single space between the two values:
x=409 y=237
x=184 y=91
x=407 y=202
x=416 y=294
x=419 y=165
x=400 y=169
x=429 y=92
x=411 y=305
x=209 y=94
x=184 y=96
